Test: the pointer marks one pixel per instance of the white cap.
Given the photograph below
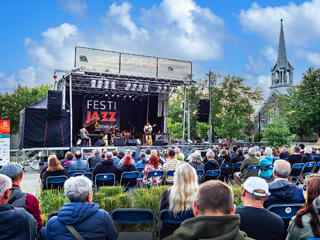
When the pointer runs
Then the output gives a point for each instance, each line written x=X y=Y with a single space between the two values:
x=196 y=154
x=255 y=183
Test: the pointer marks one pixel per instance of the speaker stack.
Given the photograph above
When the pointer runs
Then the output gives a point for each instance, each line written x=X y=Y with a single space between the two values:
x=54 y=105
x=203 y=110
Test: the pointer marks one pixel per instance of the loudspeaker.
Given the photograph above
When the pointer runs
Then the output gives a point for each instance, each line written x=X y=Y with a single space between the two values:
x=54 y=105
x=203 y=110
x=120 y=142
x=160 y=142
x=132 y=142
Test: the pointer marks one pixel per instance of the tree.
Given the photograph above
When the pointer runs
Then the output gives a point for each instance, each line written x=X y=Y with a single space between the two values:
x=278 y=132
x=301 y=105
x=203 y=130
x=12 y=103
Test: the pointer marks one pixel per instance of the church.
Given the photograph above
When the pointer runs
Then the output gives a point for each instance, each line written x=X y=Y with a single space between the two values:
x=281 y=80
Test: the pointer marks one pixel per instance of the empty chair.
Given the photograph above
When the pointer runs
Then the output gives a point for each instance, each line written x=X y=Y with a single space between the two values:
x=72 y=172
x=55 y=182
x=129 y=179
x=105 y=179
x=211 y=175
x=134 y=216
x=316 y=168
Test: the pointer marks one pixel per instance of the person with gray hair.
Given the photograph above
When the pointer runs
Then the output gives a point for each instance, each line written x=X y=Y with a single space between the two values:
x=266 y=160
x=16 y=223
x=106 y=166
x=96 y=158
x=244 y=173
x=284 y=152
x=281 y=190
x=80 y=216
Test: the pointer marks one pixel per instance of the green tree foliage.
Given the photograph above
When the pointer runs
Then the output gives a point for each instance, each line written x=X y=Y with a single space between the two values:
x=278 y=132
x=256 y=137
x=301 y=105
x=12 y=103
x=203 y=130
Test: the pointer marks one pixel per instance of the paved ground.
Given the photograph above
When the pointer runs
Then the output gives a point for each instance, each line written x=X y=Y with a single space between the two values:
x=30 y=182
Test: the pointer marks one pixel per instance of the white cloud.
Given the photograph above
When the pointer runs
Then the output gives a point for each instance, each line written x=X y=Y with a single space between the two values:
x=255 y=65
x=269 y=53
x=175 y=29
x=301 y=22
x=312 y=57
x=75 y=7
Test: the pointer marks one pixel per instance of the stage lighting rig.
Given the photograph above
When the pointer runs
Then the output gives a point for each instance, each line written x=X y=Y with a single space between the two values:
x=113 y=85
x=128 y=85
x=165 y=88
x=159 y=89
x=99 y=85
x=174 y=89
x=106 y=84
x=146 y=88
x=140 y=87
x=93 y=83
x=134 y=86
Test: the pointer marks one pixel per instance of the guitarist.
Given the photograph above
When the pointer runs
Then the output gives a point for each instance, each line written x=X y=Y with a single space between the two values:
x=148 y=133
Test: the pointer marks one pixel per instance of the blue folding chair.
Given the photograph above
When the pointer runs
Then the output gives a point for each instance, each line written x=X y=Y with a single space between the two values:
x=200 y=172
x=211 y=175
x=55 y=182
x=66 y=168
x=313 y=239
x=169 y=217
x=253 y=168
x=158 y=173
x=140 y=178
x=91 y=170
x=133 y=176
x=286 y=212
x=72 y=172
x=226 y=172
x=267 y=167
x=237 y=167
x=134 y=216
x=105 y=179
x=308 y=168
x=86 y=174
x=316 y=168
x=169 y=173
x=297 y=167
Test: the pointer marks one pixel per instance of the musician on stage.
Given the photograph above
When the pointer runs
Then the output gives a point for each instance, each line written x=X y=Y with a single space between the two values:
x=148 y=132
x=84 y=134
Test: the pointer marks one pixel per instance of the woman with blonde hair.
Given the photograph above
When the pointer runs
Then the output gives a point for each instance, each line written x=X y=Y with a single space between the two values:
x=179 y=197
x=54 y=169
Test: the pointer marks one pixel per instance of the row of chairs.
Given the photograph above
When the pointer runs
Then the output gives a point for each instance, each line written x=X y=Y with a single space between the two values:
x=137 y=216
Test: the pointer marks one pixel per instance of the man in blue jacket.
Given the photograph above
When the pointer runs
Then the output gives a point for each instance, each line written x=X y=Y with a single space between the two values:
x=80 y=216
x=281 y=190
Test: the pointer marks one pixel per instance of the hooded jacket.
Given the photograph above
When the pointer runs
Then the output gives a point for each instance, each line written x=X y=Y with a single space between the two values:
x=210 y=227
x=106 y=166
x=94 y=161
x=86 y=218
x=283 y=192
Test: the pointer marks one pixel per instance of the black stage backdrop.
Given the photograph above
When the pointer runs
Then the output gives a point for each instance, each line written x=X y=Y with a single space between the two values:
x=128 y=111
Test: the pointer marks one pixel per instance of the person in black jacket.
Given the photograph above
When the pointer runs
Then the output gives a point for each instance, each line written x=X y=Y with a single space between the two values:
x=295 y=157
x=212 y=164
x=106 y=166
x=225 y=159
x=96 y=158
x=127 y=166
x=284 y=152
x=239 y=157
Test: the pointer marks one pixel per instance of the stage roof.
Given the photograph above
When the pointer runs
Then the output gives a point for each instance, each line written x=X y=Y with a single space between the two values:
x=100 y=71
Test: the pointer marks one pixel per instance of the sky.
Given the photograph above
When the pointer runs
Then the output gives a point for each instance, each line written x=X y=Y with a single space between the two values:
x=230 y=37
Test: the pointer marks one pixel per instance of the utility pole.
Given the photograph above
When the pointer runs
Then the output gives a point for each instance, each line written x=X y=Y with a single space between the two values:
x=210 y=130
x=189 y=121
x=184 y=113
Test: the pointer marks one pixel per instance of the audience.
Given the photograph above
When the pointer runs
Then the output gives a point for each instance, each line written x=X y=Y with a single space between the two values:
x=134 y=157
x=127 y=166
x=15 y=223
x=258 y=155
x=80 y=215
x=106 y=166
x=239 y=156
x=224 y=158
x=284 y=152
x=295 y=157
x=211 y=164
x=196 y=160
x=70 y=158
x=302 y=146
x=179 y=197
x=275 y=154
x=157 y=153
x=281 y=191
x=143 y=161
x=234 y=153
x=306 y=222
x=256 y=221
x=179 y=155
x=267 y=160
x=96 y=159
x=215 y=219
x=171 y=164
x=54 y=169
x=244 y=173
x=79 y=164
x=148 y=152
x=62 y=162
x=153 y=165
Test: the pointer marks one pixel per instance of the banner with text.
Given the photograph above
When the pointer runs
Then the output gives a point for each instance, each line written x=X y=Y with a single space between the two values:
x=4 y=142
x=105 y=109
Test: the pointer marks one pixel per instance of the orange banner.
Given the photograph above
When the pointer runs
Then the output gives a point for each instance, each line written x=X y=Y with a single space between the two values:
x=4 y=126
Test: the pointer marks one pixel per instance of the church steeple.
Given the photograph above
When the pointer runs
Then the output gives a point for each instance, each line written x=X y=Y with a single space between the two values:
x=282 y=71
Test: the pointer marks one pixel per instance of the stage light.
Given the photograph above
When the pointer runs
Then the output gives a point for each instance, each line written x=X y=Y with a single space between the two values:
x=159 y=89
x=112 y=95
x=134 y=86
x=75 y=69
x=113 y=85
x=132 y=99
x=130 y=96
x=146 y=88
x=174 y=89
x=140 y=87
x=106 y=94
x=106 y=84
x=128 y=85
x=164 y=89
x=169 y=89
x=118 y=95
x=93 y=83
x=99 y=85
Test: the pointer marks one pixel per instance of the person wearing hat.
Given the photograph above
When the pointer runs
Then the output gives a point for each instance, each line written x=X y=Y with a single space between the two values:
x=256 y=221
x=18 y=198
x=15 y=223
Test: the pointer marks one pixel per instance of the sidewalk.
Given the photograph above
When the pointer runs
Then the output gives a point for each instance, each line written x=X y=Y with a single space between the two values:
x=30 y=182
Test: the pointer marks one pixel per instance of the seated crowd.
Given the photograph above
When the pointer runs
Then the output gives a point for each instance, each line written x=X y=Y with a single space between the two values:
x=210 y=201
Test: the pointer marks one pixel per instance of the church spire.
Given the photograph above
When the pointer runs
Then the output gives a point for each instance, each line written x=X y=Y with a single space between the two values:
x=282 y=54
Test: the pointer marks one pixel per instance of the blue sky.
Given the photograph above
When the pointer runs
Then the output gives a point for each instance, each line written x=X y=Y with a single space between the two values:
x=236 y=37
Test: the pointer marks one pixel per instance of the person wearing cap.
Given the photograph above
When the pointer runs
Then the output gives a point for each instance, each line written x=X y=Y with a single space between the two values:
x=256 y=221
x=15 y=223
x=171 y=164
x=18 y=198
x=214 y=215
x=281 y=190
x=244 y=173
